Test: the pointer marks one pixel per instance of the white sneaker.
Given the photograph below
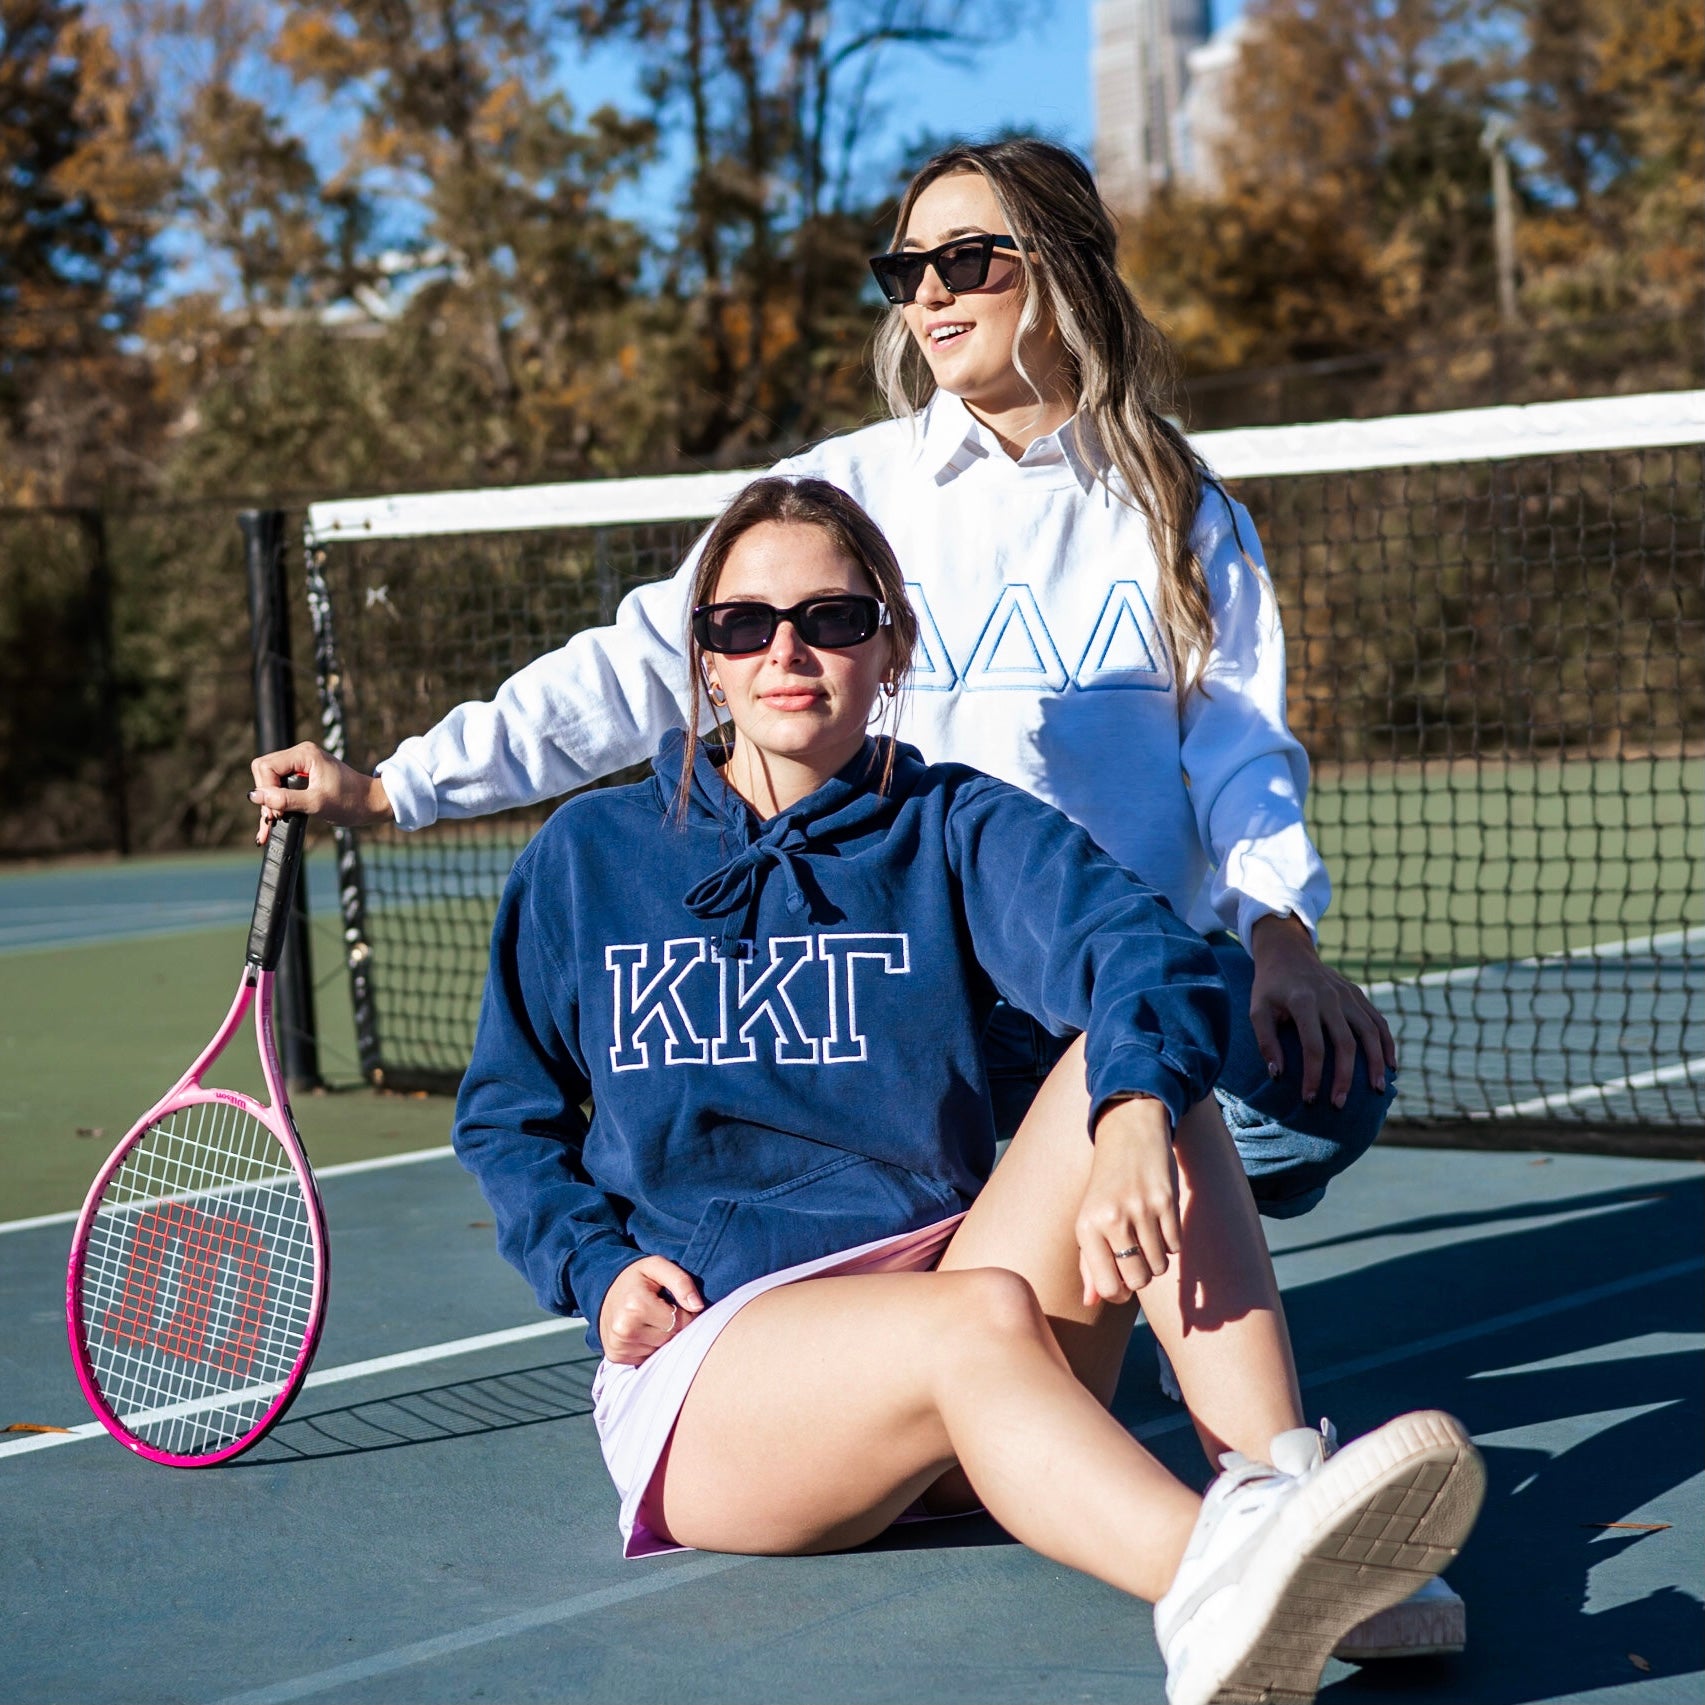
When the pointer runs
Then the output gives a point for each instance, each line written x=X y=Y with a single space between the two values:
x=1285 y=1560
x=1432 y=1622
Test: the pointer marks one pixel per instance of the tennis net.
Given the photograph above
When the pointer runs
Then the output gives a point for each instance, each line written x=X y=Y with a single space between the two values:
x=1496 y=632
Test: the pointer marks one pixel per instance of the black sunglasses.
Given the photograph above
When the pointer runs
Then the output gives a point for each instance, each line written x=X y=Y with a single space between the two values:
x=833 y=623
x=962 y=264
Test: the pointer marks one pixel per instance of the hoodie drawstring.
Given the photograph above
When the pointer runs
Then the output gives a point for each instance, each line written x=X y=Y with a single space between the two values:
x=733 y=891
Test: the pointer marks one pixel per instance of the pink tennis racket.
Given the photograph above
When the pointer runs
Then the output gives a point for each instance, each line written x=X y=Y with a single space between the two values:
x=197 y=1283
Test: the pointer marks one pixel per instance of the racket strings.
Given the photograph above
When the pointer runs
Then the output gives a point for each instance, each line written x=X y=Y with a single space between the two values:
x=199 y=1279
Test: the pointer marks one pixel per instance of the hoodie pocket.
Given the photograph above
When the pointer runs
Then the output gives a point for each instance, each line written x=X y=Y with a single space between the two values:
x=846 y=1201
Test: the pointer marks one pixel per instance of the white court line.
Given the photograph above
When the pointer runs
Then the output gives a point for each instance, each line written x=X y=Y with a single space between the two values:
x=565 y=1610
x=1558 y=1098
x=544 y=1328
x=1624 y=949
x=342 y=1170
x=326 y=1376
x=11 y=942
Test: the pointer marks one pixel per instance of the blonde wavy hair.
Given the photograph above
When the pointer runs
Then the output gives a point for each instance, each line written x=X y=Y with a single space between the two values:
x=1119 y=363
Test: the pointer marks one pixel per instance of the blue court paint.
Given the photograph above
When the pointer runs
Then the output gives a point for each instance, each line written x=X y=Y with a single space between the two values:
x=460 y=1540
x=544 y=1616
x=84 y=905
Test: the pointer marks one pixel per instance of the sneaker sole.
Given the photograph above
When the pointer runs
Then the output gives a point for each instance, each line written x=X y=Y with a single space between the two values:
x=1383 y=1516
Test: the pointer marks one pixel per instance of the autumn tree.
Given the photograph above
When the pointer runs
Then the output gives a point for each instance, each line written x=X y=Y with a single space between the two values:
x=80 y=198
x=1353 y=210
x=410 y=230
x=402 y=224
x=1354 y=193
x=1612 y=119
x=779 y=100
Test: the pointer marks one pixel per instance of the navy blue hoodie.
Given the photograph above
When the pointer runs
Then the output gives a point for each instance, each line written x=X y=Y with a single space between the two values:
x=777 y=1023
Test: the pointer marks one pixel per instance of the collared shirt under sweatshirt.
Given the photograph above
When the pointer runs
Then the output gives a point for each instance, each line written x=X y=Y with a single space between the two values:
x=777 y=1023
x=1036 y=585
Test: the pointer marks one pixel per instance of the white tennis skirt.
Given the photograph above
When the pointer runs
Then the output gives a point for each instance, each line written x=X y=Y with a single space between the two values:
x=635 y=1408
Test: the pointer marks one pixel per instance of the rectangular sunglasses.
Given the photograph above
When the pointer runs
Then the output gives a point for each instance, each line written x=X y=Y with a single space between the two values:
x=834 y=623
x=962 y=264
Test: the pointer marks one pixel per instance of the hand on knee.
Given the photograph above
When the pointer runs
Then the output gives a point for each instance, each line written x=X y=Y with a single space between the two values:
x=1128 y=1223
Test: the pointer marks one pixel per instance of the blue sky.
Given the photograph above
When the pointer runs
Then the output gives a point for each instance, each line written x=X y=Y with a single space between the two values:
x=1038 y=79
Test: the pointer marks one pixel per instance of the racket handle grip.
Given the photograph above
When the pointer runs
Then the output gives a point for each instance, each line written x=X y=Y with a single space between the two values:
x=277 y=890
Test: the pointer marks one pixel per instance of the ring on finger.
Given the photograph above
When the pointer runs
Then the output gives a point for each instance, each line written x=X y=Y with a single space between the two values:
x=1126 y=1254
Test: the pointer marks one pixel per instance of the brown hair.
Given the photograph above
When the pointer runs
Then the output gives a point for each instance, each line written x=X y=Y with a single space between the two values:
x=1119 y=363
x=799 y=503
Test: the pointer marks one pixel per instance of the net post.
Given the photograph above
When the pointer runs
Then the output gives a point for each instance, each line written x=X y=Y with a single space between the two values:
x=351 y=876
x=94 y=525
x=275 y=727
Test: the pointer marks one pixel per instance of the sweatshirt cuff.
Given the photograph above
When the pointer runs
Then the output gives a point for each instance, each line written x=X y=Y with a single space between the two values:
x=1133 y=1070
x=588 y=1274
x=1251 y=911
x=414 y=800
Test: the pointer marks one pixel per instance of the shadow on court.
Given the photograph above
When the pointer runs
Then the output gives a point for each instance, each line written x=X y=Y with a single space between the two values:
x=1511 y=1215
x=1590 y=1415
x=1557 y=1310
x=528 y=1397
x=1587 y=1416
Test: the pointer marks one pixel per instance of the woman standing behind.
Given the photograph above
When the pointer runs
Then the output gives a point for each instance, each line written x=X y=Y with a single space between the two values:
x=1097 y=627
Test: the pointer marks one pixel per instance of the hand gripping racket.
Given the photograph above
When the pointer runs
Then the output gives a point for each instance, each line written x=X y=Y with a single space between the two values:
x=197 y=1283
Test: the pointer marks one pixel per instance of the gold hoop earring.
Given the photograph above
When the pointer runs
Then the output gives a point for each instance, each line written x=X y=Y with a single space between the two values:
x=890 y=686
x=717 y=696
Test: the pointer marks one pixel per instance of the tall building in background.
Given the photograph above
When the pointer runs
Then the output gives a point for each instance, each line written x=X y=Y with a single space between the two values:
x=1207 y=114
x=1141 y=76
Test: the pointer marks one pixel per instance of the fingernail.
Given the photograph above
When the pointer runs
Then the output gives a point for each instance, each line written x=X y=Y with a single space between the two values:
x=1339 y=1100
x=1274 y=1068
x=1379 y=1084
x=254 y=798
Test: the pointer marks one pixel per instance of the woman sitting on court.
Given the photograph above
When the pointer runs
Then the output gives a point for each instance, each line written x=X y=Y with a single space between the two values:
x=768 y=968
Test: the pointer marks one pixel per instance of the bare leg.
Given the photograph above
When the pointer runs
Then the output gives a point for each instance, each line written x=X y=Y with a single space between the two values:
x=827 y=1406
x=1216 y=1311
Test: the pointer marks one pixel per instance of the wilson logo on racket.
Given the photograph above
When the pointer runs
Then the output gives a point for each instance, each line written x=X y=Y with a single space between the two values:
x=205 y=1243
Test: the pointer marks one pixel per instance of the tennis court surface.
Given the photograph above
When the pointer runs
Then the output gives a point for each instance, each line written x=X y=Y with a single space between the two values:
x=432 y=1520
x=1493 y=620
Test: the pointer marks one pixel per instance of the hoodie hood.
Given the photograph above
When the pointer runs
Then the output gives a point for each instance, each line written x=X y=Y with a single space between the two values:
x=847 y=804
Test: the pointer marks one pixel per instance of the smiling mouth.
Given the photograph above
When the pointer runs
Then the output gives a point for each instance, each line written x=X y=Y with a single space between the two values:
x=939 y=335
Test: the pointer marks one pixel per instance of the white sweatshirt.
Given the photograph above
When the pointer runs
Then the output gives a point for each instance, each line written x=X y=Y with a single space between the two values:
x=1040 y=662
